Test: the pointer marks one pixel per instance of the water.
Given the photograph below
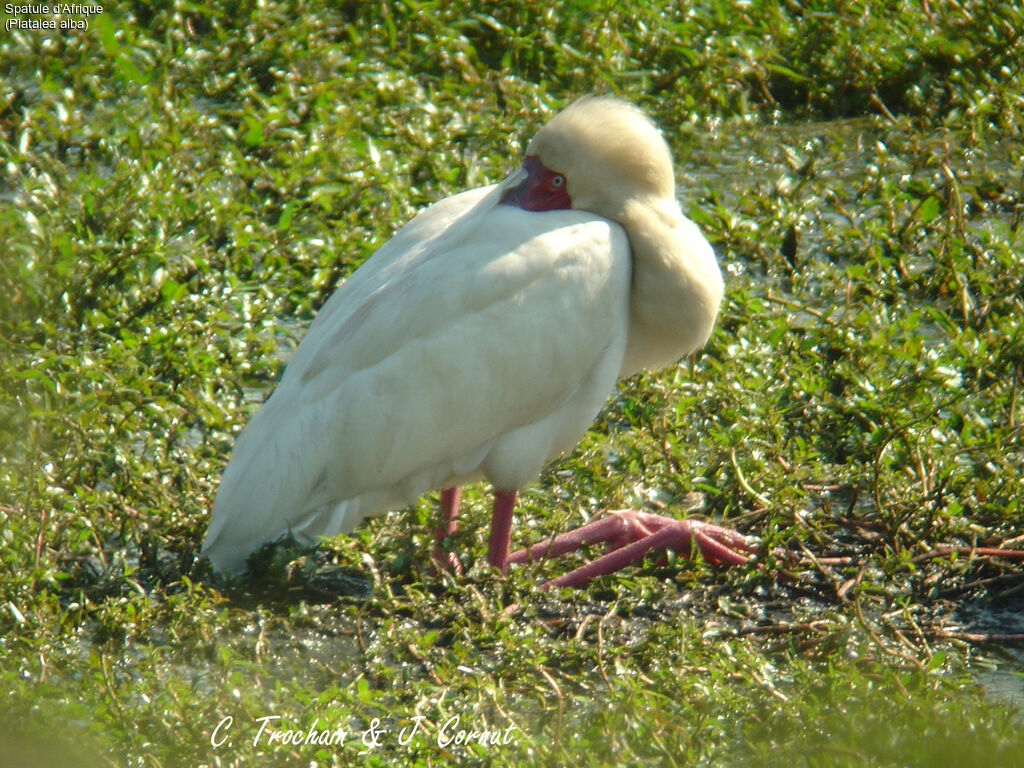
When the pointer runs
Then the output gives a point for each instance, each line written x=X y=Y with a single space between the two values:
x=825 y=180
x=999 y=665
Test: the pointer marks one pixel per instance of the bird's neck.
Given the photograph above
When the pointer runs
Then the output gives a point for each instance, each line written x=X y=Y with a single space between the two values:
x=676 y=287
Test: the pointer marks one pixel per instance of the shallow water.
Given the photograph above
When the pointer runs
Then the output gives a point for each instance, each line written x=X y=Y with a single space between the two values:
x=732 y=164
x=998 y=667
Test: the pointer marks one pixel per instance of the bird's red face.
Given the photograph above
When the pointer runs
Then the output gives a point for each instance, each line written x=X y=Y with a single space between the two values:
x=542 y=189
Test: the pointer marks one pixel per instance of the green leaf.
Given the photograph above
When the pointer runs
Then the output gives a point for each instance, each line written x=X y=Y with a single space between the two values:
x=255 y=134
x=929 y=210
x=284 y=221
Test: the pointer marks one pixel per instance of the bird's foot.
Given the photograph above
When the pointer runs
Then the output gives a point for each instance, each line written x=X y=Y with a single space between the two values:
x=630 y=536
x=445 y=560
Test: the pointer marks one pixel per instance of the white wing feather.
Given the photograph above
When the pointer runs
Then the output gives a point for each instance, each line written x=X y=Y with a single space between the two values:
x=481 y=340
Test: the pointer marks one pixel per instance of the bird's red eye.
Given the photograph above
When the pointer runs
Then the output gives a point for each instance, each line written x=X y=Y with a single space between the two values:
x=557 y=181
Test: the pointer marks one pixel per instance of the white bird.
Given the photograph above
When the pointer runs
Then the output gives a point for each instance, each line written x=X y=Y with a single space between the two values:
x=480 y=342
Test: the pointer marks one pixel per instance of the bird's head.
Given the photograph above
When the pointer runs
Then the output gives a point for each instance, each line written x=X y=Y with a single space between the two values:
x=595 y=155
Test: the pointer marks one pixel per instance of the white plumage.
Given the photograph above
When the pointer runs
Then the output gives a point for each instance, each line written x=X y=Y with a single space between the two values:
x=480 y=341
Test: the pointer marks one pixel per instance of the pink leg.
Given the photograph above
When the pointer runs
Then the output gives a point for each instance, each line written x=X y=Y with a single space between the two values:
x=501 y=528
x=448 y=525
x=630 y=536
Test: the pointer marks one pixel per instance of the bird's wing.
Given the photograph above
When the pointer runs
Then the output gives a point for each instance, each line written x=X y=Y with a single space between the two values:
x=409 y=245
x=451 y=338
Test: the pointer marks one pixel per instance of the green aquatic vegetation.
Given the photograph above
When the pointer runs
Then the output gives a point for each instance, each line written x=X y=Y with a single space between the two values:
x=183 y=187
